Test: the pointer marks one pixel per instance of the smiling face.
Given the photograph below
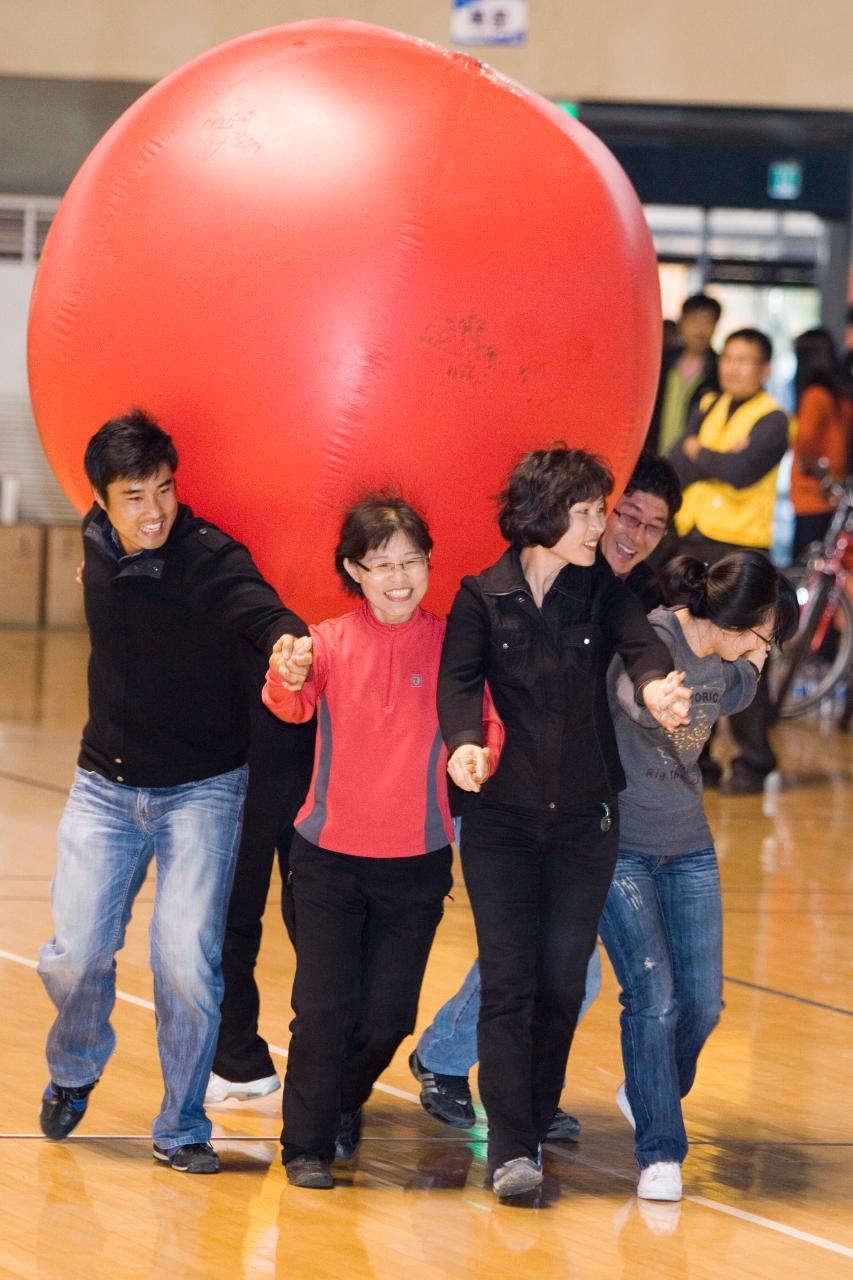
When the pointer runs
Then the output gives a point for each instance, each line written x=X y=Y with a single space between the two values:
x=394 y=592
x=634 y=528
x=580 y=541
x=142 y=512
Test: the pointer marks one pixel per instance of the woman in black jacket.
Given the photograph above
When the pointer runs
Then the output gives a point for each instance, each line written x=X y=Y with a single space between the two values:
x=540 y=845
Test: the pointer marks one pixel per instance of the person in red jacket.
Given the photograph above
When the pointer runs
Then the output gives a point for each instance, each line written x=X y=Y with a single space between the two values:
x=370 y=860
x=821 y=436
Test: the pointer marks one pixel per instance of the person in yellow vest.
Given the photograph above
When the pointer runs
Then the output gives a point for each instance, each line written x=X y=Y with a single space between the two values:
x=728 y=462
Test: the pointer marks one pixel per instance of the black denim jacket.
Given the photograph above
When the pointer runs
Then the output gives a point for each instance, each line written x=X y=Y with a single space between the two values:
x=167 y=699
x=547 y=670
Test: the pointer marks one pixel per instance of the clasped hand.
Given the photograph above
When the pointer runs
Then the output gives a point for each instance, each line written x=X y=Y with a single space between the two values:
x=470 y=766
x=669 y=700
x=291 y=660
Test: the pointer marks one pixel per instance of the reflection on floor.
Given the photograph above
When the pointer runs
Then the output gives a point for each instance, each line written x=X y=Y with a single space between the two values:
x=771 y=1162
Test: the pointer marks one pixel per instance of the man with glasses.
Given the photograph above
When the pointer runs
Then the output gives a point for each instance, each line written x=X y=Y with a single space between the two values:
x=447 y=1049
x=728 y=463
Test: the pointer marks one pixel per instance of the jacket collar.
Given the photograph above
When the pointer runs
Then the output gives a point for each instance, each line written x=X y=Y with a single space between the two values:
x=98 y=529
x=506 y=576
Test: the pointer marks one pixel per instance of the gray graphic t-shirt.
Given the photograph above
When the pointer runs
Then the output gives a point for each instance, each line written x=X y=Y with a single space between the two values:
x=660 y=810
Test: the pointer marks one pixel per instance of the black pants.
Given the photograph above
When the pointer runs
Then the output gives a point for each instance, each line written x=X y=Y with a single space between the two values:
x=537 y=888
x=750 y=727
x=363 y=932
x=809 y=529
x=278 y=783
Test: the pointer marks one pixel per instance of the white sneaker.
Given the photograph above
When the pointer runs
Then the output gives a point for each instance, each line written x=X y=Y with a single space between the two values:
x=660 y=1181
x=220 y=1089
x=624 y=1105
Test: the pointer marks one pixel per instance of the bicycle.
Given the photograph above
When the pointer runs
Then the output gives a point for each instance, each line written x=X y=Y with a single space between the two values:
x=819 y=658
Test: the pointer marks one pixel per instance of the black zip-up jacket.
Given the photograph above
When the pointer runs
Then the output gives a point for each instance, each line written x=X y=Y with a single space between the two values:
x=167 y=696
x=546 y=670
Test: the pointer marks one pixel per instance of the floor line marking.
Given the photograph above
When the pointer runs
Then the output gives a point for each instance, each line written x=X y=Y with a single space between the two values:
x=715 y=1205
x=787 y=995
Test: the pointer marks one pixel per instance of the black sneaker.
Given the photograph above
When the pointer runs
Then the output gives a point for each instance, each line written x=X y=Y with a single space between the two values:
x=309 y=1171
x=448 y=1098
x=349 y=1135
x=195 y=1157
x=563 y=1128
x=743 y=782
x=62 y=1109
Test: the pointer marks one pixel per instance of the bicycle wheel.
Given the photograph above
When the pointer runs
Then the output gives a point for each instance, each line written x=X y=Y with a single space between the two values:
x=820 y=655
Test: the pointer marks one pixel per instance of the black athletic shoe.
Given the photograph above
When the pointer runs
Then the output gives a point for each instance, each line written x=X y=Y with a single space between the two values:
x=743 y=782
x=62 y=1109
x=195 y=1157
x=309 y=1171
x=349 y=1135
x=448 y=1098
x=563 y=1128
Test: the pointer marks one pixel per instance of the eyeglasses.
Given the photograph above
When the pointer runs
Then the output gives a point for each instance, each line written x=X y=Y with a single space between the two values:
x=768 y=640
x=635 y=525
x=385 y=568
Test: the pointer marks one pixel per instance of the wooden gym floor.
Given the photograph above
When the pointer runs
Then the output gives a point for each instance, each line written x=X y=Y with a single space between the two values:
x=768 y=1180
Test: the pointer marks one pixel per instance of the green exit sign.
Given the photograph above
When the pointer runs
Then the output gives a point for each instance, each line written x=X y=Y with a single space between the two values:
x=785 y=180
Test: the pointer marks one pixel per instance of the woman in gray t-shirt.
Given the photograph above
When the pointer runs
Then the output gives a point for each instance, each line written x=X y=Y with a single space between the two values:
x=662 y=921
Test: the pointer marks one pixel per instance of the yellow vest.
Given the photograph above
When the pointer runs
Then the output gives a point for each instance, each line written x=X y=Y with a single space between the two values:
x=743 y=517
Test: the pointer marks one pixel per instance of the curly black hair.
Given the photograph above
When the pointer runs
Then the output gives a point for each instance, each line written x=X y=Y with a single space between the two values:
x=543 y=486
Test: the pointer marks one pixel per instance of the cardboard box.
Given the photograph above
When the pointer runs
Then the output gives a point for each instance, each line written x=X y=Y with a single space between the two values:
x=63 y=595
x=21 y=574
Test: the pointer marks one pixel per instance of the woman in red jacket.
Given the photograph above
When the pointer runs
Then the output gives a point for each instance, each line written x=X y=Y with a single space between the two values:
x=370 y=860
x=822 y=434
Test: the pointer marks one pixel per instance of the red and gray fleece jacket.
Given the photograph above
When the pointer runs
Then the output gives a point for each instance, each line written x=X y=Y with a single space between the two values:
x=379 y=786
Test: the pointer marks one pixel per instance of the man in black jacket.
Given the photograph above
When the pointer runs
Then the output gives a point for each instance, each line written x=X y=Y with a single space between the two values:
x=161 y=774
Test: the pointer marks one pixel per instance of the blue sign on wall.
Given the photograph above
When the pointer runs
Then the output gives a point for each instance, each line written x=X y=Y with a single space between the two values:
x=488 y=22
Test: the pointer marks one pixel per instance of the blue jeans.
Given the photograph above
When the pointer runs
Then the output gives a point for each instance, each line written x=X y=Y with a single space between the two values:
x=449 y=1044
x=662 y=927
x=107 y=837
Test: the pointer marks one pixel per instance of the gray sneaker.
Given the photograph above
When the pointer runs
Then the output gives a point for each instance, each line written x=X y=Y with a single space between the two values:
x=515 y=1177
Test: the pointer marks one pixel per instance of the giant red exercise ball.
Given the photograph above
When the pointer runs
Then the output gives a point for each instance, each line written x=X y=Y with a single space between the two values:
x=327 y=256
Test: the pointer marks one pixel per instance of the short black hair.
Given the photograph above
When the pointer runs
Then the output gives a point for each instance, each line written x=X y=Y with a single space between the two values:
x=655 y=475
x=534 y=507
x=736 y=593
x=369 y=523
x=702 y=302
x=757 y=338
x=134 y=446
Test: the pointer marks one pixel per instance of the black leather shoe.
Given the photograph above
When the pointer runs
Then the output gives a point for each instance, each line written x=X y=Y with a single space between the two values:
x=62 y=1109
x=309 y=1171
x=349 y=1135
x=195 y=1157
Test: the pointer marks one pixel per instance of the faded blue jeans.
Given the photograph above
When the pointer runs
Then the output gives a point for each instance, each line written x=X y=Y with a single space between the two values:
x=449 y=1044
x=107 y=837
x=662 y=927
